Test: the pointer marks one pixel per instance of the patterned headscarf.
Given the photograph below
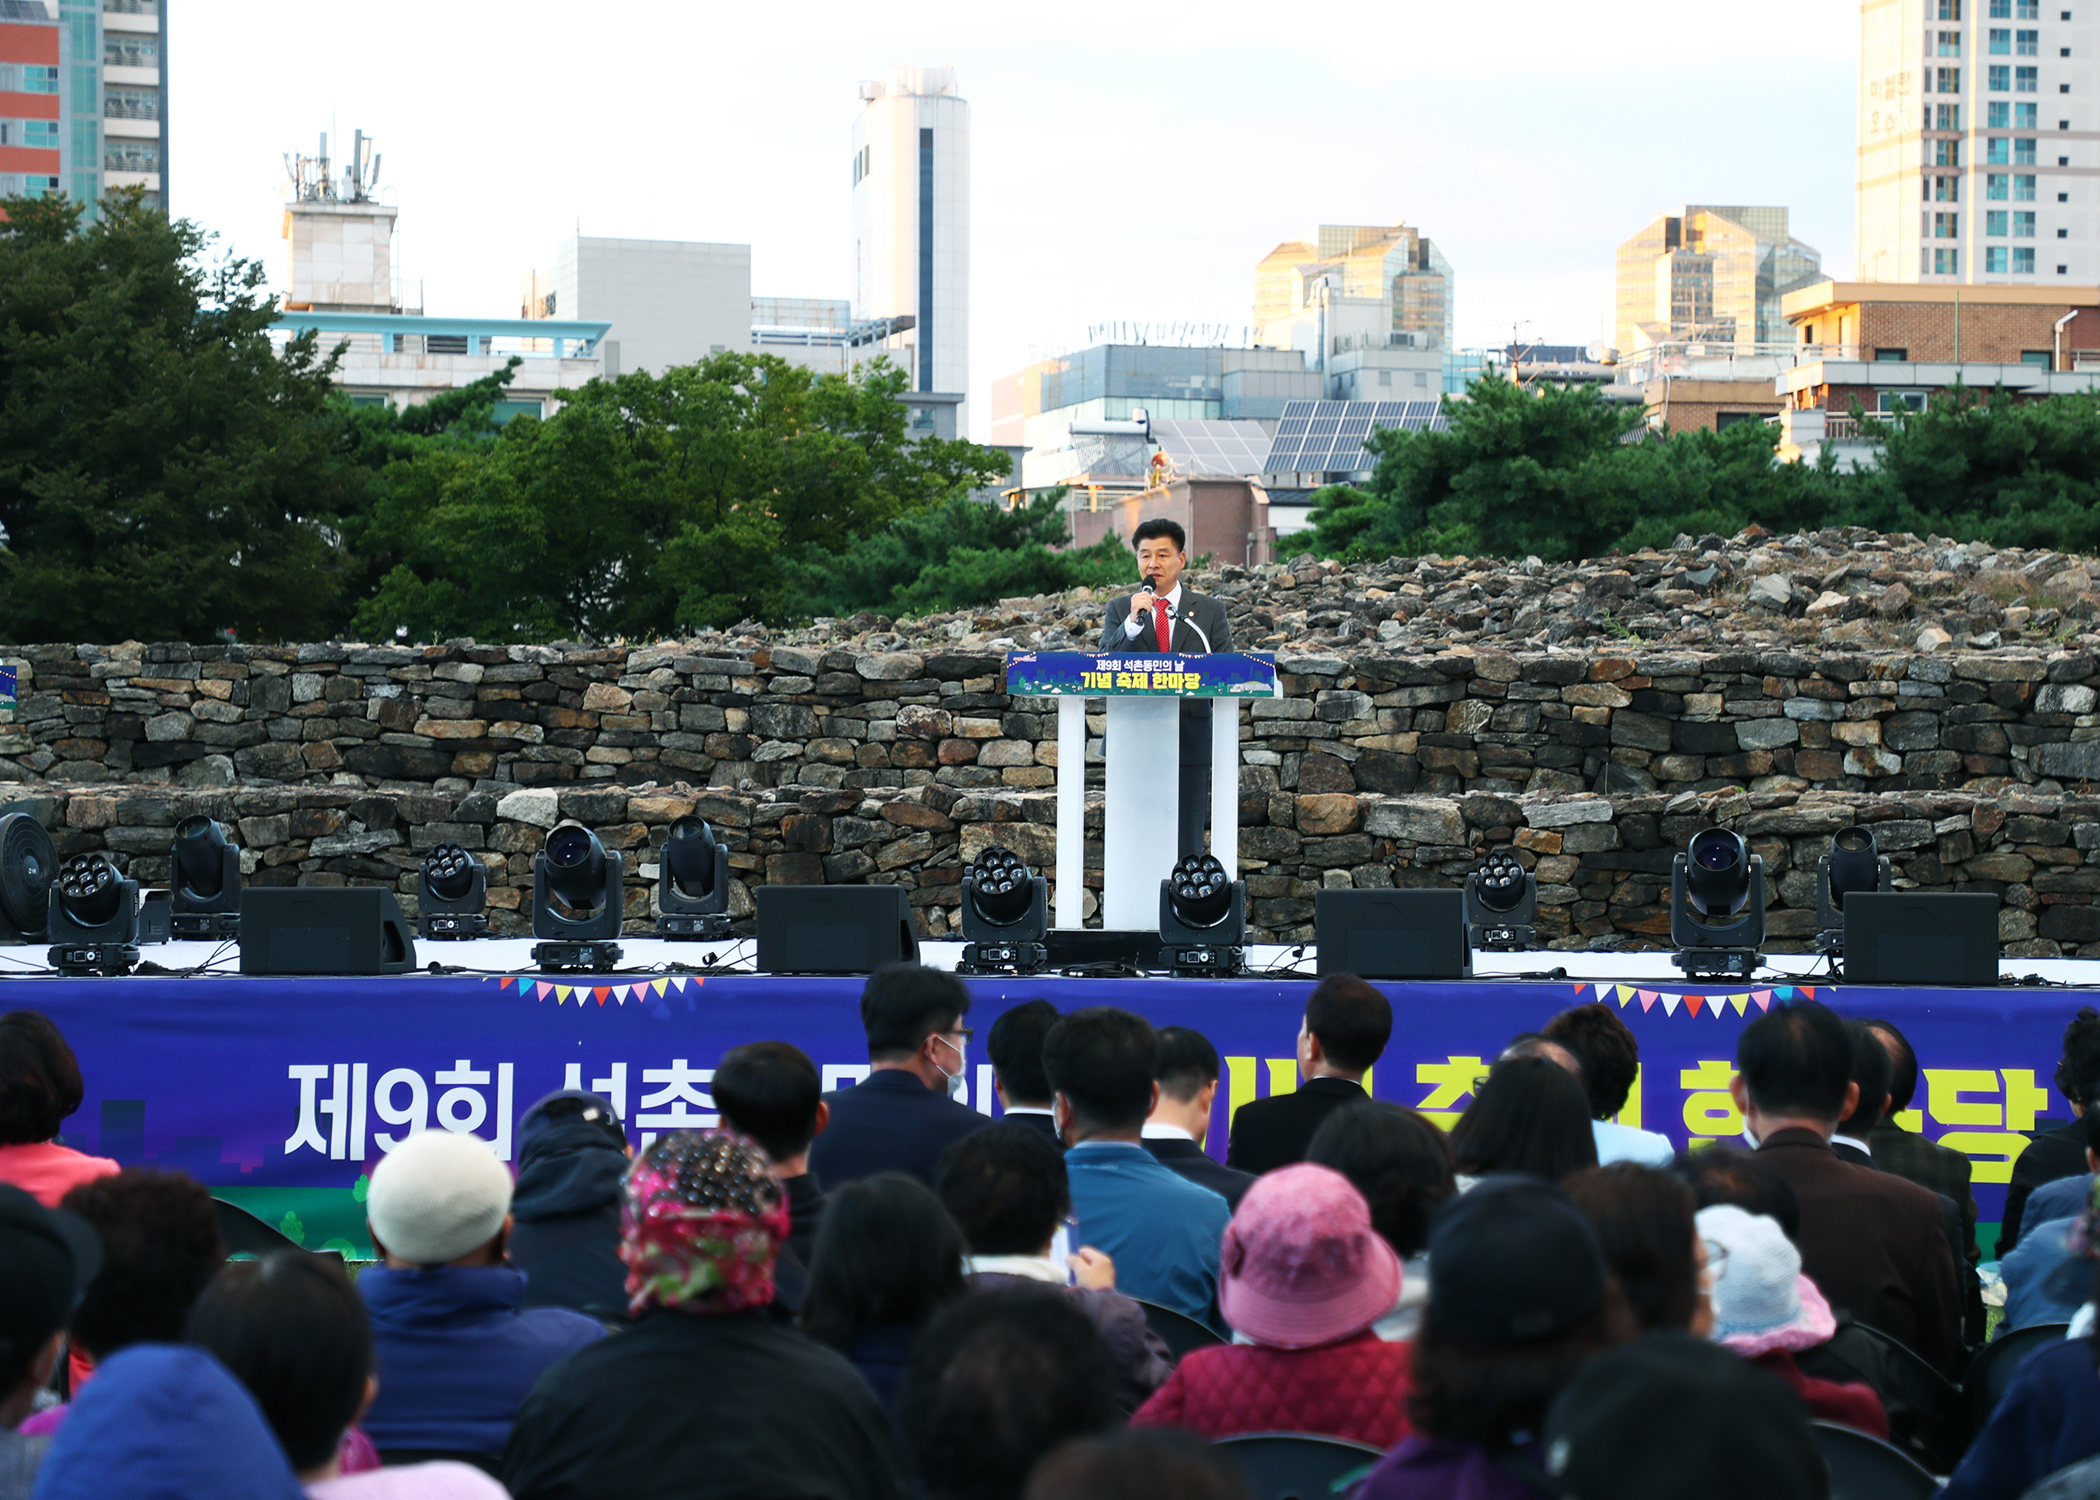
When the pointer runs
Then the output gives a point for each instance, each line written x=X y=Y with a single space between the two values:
x=703 y=1219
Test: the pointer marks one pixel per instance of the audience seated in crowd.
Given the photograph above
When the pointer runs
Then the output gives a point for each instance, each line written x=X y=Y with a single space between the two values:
x=1016 y=1047
x=1521 y=1298
x=888 y=1258
x=47 y=1259
x=1643 y=1217
x=1870 y=1078
x=1347 y=1024
x=1873 y=1243
x=40 y=1086
x=1186 y=1071
x=1302 y=1278
x=1767 y=1311
x=1531 y=1116
x=900 y=1117
x=292 y=1329
x=1401 y=1163
x=456 y=1348
x=772 y=1094
x=160 y=1247
x=1139 y=1463
x=2060 y=1150
x=1611 y=1064
x=704 y=1396
x=2048 y=1419
x=2049 y=1275
x=1161 y=1230
x=565 y=1234
x=999 y=1380
x=1007 y=1190
x=1941 y=1169
x=1668 y=1416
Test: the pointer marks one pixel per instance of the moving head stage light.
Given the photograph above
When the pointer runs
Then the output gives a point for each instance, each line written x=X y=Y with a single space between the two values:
x=1717 y=905
x=28 y=861
x=204 y=882
x=94 y=921
x=1005 y=915
x=692 y=887
x=1851 y=866
x=1502 y=905
x=576 y=901
x=452 y=890
x=1203 y=918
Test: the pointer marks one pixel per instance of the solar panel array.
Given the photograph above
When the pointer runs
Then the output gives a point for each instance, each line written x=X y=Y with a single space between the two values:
x=1235 y=449
x=1327 y=437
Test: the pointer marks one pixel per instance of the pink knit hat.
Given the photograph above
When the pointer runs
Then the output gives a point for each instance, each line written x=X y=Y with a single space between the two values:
x=1300 y=1264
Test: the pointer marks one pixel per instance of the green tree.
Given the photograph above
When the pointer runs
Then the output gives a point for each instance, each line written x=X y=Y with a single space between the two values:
x=166 y=473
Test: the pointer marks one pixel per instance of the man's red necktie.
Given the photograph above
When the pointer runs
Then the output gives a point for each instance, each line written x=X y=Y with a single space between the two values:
x=1160 y=625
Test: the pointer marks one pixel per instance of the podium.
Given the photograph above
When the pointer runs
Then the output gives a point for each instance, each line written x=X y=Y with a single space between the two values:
x=1143 y=691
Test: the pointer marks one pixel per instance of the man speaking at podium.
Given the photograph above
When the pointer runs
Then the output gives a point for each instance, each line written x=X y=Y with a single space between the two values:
x=1163 y=616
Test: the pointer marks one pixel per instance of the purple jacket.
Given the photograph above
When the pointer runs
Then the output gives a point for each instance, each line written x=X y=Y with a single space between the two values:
x=1423 y=1468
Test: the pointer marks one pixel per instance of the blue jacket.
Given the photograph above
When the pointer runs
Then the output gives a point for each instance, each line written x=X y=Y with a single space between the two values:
x=1160 y=1229
x=2044 y=1281
x=164 y=1422
x=888 y=1122
x=2048 y=1419
x=2060 y=1199
x=455 y=1354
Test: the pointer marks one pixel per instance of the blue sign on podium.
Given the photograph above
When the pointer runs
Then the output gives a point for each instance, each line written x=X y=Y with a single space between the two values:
x=1088 y=674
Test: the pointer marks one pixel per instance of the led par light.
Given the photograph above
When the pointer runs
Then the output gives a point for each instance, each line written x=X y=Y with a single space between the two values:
x=1852 y=865
x=94 y=918
x=28 y=861
x=1203 y=918
x=576 y=901
x=1717 y=905
x=452 y=890
x=1005 y=916
x=1502 y=905
x=692 y=888
x=204 y=882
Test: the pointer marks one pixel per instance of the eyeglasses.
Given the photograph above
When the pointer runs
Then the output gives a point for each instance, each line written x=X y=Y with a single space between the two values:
x=1716 y=1263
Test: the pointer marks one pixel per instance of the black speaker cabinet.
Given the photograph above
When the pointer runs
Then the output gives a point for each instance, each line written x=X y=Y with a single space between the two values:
x=323 y=929
x=1392 y=934
x=833 y=929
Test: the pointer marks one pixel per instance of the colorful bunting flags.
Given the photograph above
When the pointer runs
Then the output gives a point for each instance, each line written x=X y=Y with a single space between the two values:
x=1695 y=1002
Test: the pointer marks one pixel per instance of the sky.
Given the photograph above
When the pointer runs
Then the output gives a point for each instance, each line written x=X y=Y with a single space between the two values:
x=1131 y=162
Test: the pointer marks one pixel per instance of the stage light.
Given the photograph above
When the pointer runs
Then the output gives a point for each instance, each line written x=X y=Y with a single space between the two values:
x=94 y=918
x=1717 y=905
x=692 y=888
x=452 y=891
x=1203 y=918
x=1853 y=865
x=204 y=882
x=1005 y=916
x=576 y=901
x=1502 y=905
x=28 y=860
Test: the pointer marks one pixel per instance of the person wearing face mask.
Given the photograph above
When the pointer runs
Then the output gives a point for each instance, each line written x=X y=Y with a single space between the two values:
x=900 y=1118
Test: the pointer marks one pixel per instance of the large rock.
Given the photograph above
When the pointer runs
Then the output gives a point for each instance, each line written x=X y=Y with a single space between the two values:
x=537 y=806
x=1416 y=820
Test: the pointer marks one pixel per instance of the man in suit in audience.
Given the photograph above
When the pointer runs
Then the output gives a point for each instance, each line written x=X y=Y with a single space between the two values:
x=1347 y=1024
x=1187 y=1074
x=773 y=1093
x=1872 y=1242
x=2059 y=1151
x=1161 y=1230
x=900 y=1117
x=1016 y=1046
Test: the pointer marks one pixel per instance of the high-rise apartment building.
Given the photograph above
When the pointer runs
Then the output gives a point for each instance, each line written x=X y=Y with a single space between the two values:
x=1977 y=124
x=1710 y=275
x=83 y=98
x=1401 y=277
x=670 y=302
x=911 y=234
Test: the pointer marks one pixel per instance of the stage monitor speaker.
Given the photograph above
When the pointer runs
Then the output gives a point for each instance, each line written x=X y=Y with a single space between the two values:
x=833 y=929
x=1937 y=938
x=338 y=929
x=1392 y=934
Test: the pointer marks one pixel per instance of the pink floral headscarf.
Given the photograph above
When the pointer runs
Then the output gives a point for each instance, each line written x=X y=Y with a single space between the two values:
x=703 y=1221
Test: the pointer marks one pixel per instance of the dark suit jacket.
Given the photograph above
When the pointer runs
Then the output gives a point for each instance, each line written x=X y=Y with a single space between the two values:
x=2057 y=1152
x=1274 y=1132
x=1946 y=1172
x=890 y=1122
x=1874 y=1244
x=1043 y=1123
x=1187 y=1159
x=1201 y=617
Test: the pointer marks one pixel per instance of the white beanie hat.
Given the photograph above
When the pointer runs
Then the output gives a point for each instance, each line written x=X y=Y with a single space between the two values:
x=437 y=1196
x=1761 y=1301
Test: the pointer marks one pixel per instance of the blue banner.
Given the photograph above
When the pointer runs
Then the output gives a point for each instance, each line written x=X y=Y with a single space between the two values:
x=1162 y=674
x=7 y=691
x=281 y=1094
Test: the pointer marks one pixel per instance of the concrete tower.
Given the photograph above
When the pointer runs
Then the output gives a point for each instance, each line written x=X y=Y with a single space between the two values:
x=911 y=234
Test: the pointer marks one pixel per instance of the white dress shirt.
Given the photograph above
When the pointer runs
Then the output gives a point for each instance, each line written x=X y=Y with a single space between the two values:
x=1133 y=629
